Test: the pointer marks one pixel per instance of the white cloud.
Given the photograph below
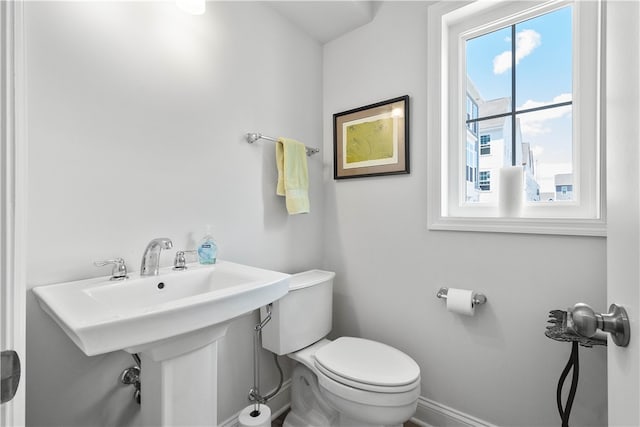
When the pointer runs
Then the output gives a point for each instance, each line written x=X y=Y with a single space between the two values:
x=502 y=62
x=535 y=123
x=526 y=42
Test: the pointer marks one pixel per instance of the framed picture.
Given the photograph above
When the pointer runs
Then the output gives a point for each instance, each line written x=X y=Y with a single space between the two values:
x=372 y=140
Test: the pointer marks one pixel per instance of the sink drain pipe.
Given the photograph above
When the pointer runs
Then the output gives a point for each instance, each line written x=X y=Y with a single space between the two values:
x=254 y=393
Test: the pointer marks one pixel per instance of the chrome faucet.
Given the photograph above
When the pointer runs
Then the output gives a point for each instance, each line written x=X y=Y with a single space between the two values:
x=151 y=258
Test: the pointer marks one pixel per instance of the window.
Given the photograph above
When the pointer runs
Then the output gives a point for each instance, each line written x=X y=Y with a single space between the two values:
x=485 y=144
x=485 y=180
x=506 y=76
x=472 y=114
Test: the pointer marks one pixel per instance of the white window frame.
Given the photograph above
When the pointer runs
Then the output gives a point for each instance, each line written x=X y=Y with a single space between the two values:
x=450 y=25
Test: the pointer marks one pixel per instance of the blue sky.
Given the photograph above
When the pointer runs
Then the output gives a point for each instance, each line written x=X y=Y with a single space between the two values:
x=543 y=76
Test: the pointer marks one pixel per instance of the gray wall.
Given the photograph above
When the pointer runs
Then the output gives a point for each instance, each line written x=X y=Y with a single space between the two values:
x=136 y=115
x=497 y=366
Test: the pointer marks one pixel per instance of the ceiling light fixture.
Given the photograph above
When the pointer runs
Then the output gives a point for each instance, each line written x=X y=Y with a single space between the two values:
x=194 y=7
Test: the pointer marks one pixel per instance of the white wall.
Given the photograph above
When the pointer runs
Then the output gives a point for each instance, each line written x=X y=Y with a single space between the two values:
x=136 y=116
x=497 y=366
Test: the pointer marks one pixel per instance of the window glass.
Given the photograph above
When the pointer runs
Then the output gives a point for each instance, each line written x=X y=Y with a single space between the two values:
x=487 y=77
x=546 y=59
x=549 y=147
x=523 y=112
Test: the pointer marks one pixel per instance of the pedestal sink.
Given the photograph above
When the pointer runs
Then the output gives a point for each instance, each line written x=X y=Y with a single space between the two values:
x=173 y=321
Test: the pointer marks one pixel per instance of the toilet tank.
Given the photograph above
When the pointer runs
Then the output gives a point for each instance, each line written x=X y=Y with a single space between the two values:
x=301 y=317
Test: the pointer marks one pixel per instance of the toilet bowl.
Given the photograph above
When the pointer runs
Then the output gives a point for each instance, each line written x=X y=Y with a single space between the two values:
x=365 y=383
x=346 y=382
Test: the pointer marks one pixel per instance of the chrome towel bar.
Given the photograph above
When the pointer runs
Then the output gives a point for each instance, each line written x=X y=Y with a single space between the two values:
x=253 y=137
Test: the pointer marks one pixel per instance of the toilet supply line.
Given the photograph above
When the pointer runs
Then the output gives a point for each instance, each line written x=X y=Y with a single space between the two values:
x=254 y=392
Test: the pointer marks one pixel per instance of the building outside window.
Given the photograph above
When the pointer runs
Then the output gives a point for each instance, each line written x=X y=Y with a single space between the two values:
x=472 y=113
x=471 y=165
x=564 y=186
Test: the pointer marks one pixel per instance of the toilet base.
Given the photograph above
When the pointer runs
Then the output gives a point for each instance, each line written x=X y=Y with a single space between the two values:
x=310 y=408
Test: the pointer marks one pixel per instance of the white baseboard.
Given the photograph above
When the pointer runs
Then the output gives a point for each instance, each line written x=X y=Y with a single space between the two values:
x=278 y=404
x=431 y=414
x=428 y=414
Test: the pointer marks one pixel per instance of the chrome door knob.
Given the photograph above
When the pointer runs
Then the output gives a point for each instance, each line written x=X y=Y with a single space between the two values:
x=586 y=322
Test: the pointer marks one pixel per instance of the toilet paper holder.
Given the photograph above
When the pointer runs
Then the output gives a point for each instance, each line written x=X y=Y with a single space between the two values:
x=478 y=299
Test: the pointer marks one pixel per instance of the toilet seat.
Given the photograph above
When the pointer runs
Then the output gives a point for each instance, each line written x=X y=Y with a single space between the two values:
x=367 y=365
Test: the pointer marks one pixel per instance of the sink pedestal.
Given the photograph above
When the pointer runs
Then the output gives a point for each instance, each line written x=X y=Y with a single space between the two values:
x=179 y=379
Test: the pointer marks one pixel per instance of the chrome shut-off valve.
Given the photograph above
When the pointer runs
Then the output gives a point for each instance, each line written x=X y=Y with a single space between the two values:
x=586 y=322
x=131 y=376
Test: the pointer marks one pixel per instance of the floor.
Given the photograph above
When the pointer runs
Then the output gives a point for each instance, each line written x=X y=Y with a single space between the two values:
x=278 y=421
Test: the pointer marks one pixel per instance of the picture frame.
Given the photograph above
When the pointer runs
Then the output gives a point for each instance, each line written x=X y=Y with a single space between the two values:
x=372 y=140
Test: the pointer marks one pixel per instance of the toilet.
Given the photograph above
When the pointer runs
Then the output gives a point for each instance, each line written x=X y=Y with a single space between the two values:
x=346 y=382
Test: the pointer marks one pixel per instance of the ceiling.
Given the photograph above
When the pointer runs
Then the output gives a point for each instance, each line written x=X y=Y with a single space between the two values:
x=326 y=20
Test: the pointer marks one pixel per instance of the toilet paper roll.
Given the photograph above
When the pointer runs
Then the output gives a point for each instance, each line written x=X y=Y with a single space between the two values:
x=248 y=417
x=460 y=301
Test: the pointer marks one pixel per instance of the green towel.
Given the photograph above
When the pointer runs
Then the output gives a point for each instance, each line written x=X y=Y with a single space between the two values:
x=293 y=176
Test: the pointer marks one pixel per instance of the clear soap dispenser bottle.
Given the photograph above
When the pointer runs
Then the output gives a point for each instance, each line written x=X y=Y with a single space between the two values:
x=207 y=248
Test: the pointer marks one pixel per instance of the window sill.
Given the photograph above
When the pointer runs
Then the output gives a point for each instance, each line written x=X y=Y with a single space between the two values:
x=553 y=226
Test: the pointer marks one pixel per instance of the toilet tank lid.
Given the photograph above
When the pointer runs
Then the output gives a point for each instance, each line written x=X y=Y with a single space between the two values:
x=309 y=278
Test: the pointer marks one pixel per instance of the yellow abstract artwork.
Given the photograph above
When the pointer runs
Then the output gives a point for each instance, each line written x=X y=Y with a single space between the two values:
x=370 y=141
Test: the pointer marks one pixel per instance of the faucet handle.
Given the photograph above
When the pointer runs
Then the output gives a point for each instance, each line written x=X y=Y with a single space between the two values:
x=180 y=261
x=119 y=271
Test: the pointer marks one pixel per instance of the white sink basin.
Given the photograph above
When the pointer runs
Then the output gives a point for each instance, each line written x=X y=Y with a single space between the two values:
x=102 y=316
